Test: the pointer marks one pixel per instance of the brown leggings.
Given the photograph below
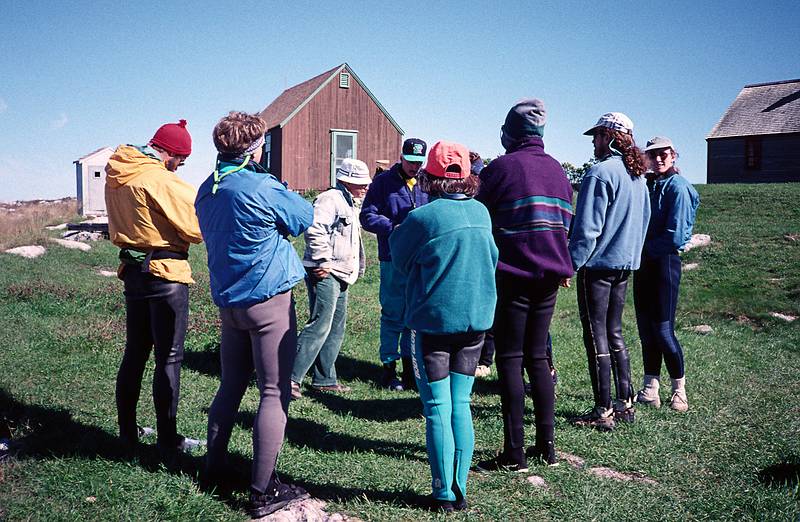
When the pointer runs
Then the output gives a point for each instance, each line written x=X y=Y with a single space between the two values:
x=262 y=337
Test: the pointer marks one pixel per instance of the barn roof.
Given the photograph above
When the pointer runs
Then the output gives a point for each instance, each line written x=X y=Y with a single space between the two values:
x=762 y=108
x=284 y=107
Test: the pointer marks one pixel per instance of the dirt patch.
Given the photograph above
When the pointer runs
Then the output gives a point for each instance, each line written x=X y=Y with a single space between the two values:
x=613 y=474
x=573 y=460
x=537 y=481
x=702 y=329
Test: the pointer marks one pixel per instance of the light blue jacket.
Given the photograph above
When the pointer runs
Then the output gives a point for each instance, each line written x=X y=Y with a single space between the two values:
x=245 y=227
x=611 y=218
x=447 y=252
x=674 y=203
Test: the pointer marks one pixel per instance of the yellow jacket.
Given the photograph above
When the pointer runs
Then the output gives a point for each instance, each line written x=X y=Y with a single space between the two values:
x=150 y=208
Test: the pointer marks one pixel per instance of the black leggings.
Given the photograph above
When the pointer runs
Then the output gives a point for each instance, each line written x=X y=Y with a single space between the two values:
x=601 y=299
x=522 y=320
x=157 y=314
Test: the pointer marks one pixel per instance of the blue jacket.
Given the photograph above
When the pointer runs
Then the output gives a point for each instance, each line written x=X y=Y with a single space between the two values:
x=673 y=202
x=446 y=251
x=386 y=205
x=245 y=226
x=611 y=217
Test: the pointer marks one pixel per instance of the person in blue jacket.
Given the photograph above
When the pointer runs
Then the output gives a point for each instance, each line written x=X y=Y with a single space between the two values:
x=391 y=196
x=605 y=244
x=674 y=202
x=446 y=251
x=246 y=217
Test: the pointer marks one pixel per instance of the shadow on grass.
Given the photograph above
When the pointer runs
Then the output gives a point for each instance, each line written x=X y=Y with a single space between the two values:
x=784 y=473
x=52 y=432
x=384 y=410
x=350 y=369
x=205 y=361
x=307 y=433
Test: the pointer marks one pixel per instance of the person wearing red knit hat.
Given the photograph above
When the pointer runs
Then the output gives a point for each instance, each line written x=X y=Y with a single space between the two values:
x=151 y=219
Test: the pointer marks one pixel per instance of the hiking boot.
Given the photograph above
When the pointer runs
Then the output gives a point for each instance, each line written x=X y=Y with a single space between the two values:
x=409 y=381
x=624 y=412
x=598 y=418
x=333 y=388
x=501 y=463
x=648 y=395
x=544 y=452
x=442 y=506
x=483 y=371
x=389 y=378
x=678 y=401
x=277 y=496
x=296 y=393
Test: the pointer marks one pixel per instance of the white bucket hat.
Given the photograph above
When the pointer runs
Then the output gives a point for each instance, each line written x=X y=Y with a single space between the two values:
x=353 y=171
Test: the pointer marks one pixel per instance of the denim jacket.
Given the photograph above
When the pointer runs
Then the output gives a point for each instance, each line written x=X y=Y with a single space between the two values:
x=333 y=241
x=673 y=203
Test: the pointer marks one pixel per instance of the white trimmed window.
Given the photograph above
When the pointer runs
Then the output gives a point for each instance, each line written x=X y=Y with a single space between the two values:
x=344 y=80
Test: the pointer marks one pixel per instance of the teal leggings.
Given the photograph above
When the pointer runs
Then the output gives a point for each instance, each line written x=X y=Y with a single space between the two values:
x=444 y=367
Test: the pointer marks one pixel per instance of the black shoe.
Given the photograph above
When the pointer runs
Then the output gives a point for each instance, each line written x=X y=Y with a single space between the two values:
x=443 y=506
x=409 y=382
x=544 y=452
x=276 y=497
x=389 y=378
x=501 y=463
x=625 y=415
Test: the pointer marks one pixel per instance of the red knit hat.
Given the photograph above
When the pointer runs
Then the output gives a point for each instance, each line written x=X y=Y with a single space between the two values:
x=174 y=138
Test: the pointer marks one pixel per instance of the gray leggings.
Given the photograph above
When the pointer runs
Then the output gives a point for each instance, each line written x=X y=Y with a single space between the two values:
x=264 y=337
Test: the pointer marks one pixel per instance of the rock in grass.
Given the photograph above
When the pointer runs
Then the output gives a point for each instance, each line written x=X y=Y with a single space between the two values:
x=573 y=460
x=702 y=329
x=309 y=509
x=698 y=240
x=66 y=243
x=27 y=251
x=785 y=317
x=690 y=266
x=537 y=481
x=107 y=273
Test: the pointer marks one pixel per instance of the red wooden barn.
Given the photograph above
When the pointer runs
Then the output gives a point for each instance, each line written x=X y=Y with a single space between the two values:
x=313 y=126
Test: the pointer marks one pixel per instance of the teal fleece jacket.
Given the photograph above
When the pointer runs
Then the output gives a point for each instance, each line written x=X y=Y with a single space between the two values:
x=611 y=217
x=447 y=252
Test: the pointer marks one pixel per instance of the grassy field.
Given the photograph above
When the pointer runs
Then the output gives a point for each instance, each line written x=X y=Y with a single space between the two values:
x=735 y=455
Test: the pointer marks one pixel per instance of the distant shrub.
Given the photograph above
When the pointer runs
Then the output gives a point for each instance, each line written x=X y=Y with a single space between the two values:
x=23 y=222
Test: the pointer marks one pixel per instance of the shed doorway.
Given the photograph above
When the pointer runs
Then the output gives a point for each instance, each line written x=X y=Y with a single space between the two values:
x=343 y=145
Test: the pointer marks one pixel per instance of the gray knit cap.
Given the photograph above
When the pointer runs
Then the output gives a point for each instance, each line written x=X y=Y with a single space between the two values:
x=526 y=118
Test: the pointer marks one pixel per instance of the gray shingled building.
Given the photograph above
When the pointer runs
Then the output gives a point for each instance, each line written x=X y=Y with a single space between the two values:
x=757 y=140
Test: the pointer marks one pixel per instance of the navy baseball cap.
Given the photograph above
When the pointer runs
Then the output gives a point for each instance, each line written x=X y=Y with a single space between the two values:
x=414 y=150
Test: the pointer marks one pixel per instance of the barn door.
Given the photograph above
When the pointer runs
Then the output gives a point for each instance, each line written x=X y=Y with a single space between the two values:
x=343 y=145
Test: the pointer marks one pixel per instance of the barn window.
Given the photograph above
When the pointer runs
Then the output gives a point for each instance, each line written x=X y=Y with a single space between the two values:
x=96 y=173
x=752 y=153
x=344 y=80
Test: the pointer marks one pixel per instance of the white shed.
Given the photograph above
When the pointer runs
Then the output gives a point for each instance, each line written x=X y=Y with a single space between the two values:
x=90 y=175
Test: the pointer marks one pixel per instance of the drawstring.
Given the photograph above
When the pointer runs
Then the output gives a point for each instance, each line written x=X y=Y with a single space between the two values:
x=218 y=177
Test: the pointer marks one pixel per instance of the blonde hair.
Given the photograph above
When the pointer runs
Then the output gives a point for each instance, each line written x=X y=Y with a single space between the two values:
x=234 y=133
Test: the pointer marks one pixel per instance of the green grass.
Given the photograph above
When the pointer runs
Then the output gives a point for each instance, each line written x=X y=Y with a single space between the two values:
x=735 y=455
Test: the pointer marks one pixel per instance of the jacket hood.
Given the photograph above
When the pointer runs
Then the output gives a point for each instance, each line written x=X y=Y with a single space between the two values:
x=127 y=163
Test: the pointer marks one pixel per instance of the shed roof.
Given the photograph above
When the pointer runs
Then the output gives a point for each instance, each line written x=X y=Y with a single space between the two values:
x=762 y=108
x=284 y=107
x=104 y=150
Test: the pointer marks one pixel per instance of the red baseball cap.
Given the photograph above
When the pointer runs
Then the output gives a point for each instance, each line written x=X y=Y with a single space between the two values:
x=448 y=160
x=174 y=138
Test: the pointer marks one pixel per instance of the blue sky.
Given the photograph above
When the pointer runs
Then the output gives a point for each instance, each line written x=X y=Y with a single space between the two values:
x=80 y=75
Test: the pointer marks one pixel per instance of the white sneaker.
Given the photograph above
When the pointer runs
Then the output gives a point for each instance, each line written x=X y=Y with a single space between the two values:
x=483 y=371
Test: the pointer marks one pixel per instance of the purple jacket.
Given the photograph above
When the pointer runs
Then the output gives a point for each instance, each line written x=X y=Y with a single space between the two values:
x=386 y=205
x=530 y=201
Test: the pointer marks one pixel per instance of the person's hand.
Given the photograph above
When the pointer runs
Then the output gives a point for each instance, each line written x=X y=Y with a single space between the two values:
x=320 y=273
x=566 y=282
x=473 y=156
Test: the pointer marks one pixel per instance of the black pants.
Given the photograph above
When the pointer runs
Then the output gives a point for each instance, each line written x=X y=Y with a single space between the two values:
x=157 y=315
x=601 y=299
x=522 y=321
x=655 y=296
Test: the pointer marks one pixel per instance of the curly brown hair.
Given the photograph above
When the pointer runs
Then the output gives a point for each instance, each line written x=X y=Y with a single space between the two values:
x=632 y=156
x=236 y=131
x=437 y=186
